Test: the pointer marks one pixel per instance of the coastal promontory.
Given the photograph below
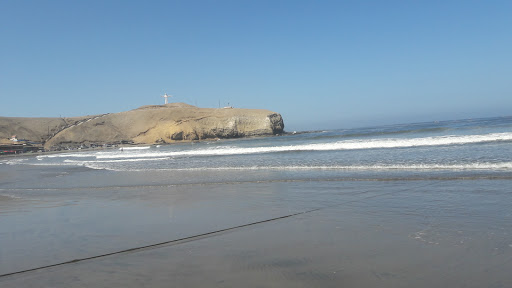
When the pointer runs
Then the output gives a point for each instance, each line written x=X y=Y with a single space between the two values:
x=146 y=125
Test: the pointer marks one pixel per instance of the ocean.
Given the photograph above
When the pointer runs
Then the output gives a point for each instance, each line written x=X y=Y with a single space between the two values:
x=469 y=148
x=409 y=205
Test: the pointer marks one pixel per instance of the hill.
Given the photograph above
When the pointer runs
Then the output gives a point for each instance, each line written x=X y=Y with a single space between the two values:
x=145 y=125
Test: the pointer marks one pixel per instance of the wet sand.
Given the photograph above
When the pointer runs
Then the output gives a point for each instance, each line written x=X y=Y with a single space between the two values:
x=455 y=233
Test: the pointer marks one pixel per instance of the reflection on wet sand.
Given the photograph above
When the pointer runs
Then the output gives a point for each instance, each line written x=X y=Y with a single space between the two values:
x=454 y=233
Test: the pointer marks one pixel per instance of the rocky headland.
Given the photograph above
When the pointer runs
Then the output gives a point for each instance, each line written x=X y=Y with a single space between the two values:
x=154 y=124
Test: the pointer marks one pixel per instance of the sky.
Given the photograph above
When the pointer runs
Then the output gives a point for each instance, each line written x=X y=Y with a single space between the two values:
x=320 y=64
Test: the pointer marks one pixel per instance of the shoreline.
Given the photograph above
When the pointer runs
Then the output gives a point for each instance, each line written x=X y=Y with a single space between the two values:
x=118 y=146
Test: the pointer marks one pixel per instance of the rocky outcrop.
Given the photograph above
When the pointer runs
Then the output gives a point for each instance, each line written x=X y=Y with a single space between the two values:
x=149 y=124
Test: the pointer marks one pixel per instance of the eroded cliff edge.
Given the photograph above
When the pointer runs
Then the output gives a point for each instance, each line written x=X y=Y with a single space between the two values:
x=146 y=125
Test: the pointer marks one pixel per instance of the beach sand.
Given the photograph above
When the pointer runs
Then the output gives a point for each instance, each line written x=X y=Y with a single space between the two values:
x=351 y=234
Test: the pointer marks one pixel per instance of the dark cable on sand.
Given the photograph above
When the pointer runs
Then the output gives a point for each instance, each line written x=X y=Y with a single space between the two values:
x=185 y=239
x=198 y=236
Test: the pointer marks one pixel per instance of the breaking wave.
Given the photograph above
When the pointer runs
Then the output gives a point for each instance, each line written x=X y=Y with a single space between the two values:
x=340 y=145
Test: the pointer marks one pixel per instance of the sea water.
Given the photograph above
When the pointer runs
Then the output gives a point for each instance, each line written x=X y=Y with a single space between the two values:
x=410 y=205
x=463 y=147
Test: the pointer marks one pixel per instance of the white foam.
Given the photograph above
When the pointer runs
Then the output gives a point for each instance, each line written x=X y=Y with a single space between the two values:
x=66 y=155
x=340 y=145
x=114 y=161
x=51 y=164
x=134 y=148
x=16 y=161
x=377 y=167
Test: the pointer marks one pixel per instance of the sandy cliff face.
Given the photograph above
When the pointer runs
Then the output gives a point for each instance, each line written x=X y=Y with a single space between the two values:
x=153 y=124
x=34 y=129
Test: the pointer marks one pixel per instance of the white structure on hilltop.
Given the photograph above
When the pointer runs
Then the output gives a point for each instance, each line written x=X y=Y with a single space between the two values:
x=166 y=96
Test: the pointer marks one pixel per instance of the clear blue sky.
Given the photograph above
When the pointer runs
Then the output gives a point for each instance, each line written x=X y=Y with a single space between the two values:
x=321 y=64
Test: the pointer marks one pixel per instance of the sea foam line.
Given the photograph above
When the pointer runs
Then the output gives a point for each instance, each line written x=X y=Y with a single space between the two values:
x=67 y=155
x=340 y=145
x=15 y=161
x=86 y=154
x=376 y=167
x=134 y=148
x=82 y=162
